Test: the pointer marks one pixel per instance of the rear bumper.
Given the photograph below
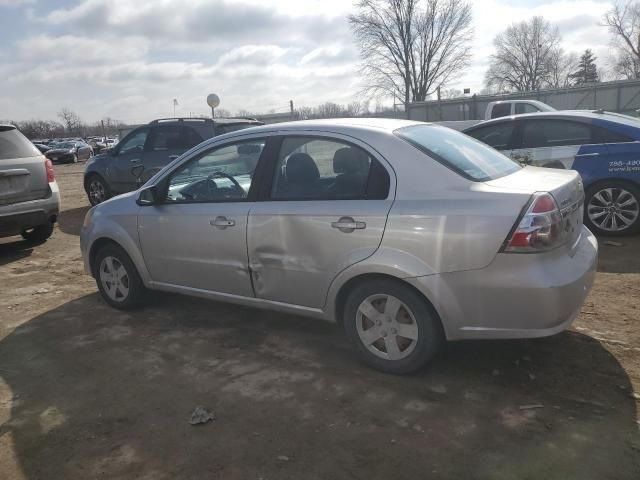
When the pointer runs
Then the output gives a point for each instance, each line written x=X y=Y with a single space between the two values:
x=517 y=295
x=16 y=217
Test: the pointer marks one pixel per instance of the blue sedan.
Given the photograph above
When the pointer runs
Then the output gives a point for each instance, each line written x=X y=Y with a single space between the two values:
x=603 y=147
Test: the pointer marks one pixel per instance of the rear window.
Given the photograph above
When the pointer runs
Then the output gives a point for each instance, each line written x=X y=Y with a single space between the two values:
x=15 y=145
x=465 y=155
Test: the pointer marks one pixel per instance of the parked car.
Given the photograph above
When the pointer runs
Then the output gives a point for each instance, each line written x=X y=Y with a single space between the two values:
x=69 y=152
x=43 y=148
x=29 y=195
x=603 y=147
x=404 y=232
x=150 y=147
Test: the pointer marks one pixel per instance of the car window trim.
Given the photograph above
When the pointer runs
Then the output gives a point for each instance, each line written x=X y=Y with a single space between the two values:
x=265 y=193
x=252 y=194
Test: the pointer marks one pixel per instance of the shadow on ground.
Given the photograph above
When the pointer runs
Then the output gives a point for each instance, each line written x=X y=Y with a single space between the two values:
x=13 y=249
x=70 y=221
x=98 y=392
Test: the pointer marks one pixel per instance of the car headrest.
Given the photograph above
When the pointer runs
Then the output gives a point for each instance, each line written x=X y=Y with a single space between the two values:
x=350 y=160
x=301 y=169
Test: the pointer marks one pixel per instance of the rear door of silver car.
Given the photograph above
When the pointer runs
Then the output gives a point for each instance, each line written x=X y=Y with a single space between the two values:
x=323 y=208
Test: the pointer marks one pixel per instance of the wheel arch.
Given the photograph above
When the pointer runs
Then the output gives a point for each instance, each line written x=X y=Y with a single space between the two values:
x=603 y=181
x=346 y=288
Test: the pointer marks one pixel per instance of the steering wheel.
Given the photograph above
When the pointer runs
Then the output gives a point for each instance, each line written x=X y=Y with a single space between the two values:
x=236 y=185
x=202 y=190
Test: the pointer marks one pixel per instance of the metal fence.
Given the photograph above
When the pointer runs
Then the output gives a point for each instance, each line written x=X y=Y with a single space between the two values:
x=621 y=96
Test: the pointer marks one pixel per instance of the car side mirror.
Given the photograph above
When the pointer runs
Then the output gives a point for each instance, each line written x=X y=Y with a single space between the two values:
x=148 y=196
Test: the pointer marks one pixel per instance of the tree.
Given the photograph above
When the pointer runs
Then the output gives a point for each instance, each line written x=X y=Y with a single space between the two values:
x=411 y=47
x=561 y=65
x=71 y=121
x=623 y=21
x=447 y=93
x=587 y=71
x=524 y=55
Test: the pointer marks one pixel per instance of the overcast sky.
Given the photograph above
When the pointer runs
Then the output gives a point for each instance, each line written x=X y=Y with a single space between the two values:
x=128 y=59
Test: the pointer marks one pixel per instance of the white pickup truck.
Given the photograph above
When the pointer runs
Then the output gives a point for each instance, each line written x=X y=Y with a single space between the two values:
x=502 y=108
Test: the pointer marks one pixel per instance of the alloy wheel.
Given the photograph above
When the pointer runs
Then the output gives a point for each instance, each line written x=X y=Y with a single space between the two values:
x=97 y=192
x=613 y=209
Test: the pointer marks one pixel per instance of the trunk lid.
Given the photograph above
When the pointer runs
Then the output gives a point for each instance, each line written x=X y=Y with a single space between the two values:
x=23 y=175
x=565 y=186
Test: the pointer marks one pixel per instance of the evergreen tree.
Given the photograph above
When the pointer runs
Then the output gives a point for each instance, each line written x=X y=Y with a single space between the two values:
x=587 y=70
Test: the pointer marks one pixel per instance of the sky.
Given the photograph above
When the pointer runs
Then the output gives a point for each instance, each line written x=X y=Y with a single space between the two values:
x=128 y=59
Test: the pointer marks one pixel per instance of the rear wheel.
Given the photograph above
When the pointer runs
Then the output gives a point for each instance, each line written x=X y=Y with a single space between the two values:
x=97 y=190
x=613 y=208
x=38 y=234
x=391 y=326
x=118 y=279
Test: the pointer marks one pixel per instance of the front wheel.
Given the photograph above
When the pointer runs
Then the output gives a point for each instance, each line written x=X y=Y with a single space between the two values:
x=118 y=279
x=97 y=190
x=613 y=208
x=391 y=326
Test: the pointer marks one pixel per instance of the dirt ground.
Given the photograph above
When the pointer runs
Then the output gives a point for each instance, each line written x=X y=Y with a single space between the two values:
x=89 y=392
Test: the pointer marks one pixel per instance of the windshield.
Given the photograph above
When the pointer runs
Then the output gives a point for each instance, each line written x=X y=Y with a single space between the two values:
x=64 y=145
x=459 y=152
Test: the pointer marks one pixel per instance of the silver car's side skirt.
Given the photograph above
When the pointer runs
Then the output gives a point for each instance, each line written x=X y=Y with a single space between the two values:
x=240 y=300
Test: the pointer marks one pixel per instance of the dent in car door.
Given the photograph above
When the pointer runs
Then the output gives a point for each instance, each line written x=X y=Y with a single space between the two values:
x=297 y=246
x=200 y=241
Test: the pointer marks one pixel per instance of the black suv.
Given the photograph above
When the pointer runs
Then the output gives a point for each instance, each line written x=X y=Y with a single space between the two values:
x=149 y=148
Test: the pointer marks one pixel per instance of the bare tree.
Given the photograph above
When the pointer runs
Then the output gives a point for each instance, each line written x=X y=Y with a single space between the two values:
x=447 y=93
x=523 y=56
x=354 y=109
x=329 y=110
x=560 y=67
x=623 y=21
x=70 y=120
x=411 y=47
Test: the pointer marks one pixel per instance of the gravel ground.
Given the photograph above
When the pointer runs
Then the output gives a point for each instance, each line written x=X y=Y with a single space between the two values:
x=90 y=392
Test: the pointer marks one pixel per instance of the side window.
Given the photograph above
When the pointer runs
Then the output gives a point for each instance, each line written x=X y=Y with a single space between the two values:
x=320 y=169
x=162 y=138
x=554 y=133
x=222 y=174
x=501 y=110
x=496 y=136
x=604 y=135
x=134 y=142
x=525 y=108
x=191 y=138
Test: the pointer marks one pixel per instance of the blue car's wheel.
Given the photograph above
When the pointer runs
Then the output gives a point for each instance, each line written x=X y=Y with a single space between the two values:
x=613 y=208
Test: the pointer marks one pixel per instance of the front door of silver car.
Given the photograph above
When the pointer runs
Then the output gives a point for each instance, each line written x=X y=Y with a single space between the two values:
x=196 y=236
x=324 y=208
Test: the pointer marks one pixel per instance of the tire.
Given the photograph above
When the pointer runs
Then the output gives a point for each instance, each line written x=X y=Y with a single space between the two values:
x=97 y=190
x=39 y=234
x=117 y=278
x=612 y=208
x=415 y=318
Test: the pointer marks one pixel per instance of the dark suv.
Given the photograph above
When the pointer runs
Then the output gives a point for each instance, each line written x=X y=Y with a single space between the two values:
x=146 y=149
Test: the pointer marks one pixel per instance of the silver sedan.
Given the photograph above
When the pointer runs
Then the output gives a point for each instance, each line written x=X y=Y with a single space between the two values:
x=406 y=233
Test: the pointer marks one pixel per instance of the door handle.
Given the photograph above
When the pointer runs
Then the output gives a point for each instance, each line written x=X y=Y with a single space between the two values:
x=348 y=225
x=222 y=222
x=583 y=155
x=134 y=160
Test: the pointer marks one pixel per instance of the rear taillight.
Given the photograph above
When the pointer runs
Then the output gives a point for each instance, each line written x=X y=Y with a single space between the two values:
x=51 y=175
x=539 y=228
